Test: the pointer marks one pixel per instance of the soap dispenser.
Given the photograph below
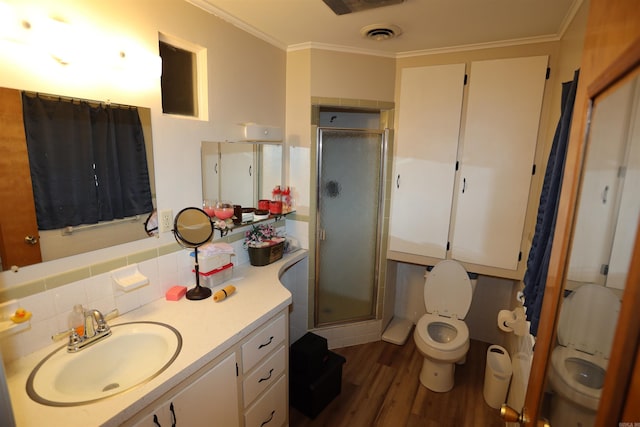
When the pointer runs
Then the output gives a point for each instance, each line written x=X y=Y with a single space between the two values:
x=76 y=319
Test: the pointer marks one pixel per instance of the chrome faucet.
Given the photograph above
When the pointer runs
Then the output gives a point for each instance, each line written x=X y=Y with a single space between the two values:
x=95 y=329
x=94 y=324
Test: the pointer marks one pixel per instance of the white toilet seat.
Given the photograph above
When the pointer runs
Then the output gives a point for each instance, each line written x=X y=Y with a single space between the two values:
x=461 y=338
x=563 y=382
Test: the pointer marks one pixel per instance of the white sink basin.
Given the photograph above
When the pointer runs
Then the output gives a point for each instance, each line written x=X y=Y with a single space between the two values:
x=134 y=353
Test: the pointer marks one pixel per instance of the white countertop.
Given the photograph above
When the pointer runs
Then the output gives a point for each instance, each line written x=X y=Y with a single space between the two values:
x=208 y=329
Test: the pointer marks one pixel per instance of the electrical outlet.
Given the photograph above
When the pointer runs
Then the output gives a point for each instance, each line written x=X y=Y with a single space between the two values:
x=165 y=220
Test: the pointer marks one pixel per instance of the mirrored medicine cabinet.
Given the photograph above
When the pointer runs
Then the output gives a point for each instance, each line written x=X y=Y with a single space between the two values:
x=240 y=172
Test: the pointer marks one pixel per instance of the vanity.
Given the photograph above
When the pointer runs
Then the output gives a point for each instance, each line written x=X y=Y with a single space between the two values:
x=231 y=370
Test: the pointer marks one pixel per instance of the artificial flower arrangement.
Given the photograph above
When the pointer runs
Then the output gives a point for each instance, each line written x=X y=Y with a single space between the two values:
x=262 y=235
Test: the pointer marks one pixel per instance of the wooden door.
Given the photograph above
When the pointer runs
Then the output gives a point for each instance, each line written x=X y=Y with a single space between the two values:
x=17 y=209
x=611 y=50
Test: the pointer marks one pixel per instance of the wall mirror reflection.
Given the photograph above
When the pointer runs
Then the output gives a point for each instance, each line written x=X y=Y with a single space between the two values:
x=606 y=221
x=240 y=173
x=609 y=203
x=79 y=181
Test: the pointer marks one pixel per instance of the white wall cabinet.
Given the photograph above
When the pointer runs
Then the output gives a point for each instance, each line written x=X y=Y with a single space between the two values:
x=462 y=185
x=500 y=138
x=229 y=172
x=425 y=158
x=246 y=387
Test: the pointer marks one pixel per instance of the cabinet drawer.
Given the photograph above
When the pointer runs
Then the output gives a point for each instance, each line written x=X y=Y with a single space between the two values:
x=271 y=409
x=263 y=343
x=264 y=375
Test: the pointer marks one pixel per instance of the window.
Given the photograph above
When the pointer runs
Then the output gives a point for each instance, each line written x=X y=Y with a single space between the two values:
x=88 y=162
x=178 y=80
x=183 y=81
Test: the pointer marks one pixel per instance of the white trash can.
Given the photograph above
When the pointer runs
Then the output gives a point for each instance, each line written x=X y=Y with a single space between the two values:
x=497 y=376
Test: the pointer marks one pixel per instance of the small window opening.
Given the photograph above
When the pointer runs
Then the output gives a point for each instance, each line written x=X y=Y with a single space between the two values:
x=178 y=81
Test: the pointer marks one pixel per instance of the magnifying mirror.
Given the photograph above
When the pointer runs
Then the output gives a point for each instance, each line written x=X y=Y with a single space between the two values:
x=192 y=228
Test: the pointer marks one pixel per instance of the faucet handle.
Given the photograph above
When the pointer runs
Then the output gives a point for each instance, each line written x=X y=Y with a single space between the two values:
x=111 y=315
x=63 y=334
x=74 y=338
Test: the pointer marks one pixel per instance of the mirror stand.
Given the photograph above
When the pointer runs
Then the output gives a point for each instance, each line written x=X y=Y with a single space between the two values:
x=198 y=292
x=193 y=228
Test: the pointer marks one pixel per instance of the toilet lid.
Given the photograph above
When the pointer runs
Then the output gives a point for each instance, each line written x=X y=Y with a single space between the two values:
x=447 y=290
x=588 y=319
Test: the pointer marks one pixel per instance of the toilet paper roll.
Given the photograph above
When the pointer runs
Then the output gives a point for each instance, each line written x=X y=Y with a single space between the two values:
x=513 y=321
x=223 y=293
x=506 y=318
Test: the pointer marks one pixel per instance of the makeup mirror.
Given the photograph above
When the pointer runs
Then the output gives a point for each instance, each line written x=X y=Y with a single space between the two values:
x=193 y=228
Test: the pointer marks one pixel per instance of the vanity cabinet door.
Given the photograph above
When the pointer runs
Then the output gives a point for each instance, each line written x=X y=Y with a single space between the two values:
x=500 y=138
x=425 y=156
x=210 y=401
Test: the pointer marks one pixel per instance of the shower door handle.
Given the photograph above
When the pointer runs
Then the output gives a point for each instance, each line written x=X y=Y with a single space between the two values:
x=322 y=235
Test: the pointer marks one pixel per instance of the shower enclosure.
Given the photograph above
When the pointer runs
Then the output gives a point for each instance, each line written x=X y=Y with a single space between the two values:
x=350 y=165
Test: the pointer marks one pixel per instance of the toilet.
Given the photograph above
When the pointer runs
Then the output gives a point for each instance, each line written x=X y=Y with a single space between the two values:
x=441 y=335
x=586 y=326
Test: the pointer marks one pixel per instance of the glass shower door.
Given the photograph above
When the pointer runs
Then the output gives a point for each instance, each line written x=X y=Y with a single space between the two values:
x=350 y=171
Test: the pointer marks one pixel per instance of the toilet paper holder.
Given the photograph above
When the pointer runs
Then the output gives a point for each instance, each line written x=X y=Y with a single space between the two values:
x=513 y=321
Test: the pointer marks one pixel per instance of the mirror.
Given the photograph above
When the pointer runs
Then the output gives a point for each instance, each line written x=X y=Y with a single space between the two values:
x=606 y=223
x=240 y=172
x=21 y=242
x=609 y=202
x=193 y=228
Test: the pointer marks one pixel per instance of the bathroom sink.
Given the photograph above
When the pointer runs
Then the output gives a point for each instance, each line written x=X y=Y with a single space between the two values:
x=134 y=353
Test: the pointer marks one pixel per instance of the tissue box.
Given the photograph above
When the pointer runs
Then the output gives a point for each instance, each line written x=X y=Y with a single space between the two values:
x=216 y=277
x=211 y=262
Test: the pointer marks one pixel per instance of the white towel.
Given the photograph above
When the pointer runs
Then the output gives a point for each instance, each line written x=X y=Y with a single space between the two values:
x=216 y=248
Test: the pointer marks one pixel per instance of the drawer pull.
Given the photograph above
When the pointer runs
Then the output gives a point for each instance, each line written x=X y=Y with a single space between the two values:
x=174 y=420
x=267 y=378
x=270 y=418
x=264 y=345
x=155 y=420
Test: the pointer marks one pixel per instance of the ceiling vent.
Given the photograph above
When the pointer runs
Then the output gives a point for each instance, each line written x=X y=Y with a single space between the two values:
x=342 y=7
x=379 y=32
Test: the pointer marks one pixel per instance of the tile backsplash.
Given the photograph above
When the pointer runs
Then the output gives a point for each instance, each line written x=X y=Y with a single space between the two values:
x=164 y=267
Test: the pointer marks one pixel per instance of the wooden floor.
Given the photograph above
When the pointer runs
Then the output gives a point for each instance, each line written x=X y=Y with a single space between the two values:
x=380 y=387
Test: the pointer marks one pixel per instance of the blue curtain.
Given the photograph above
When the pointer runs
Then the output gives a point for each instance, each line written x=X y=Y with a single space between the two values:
x=535 y=277
x=88 y=163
